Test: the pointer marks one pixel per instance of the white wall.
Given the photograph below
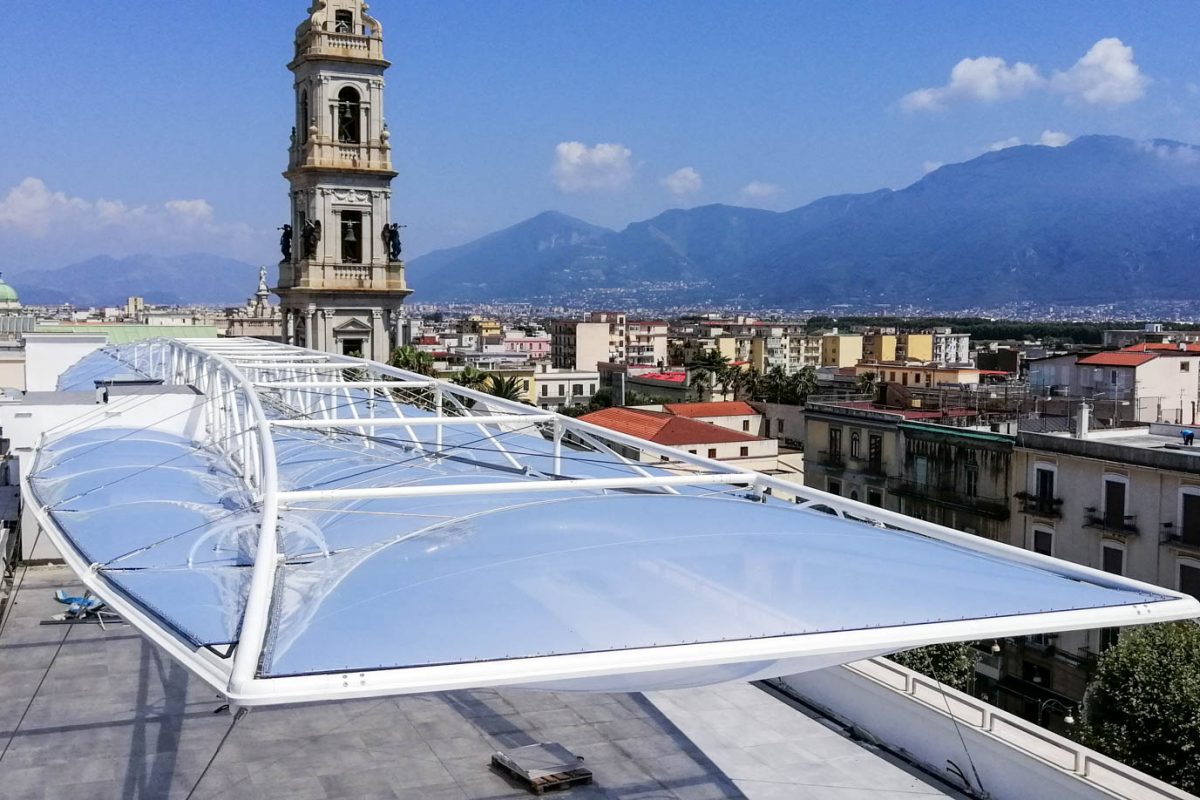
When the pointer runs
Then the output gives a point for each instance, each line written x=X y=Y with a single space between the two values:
x=1016 y=759
x=48 y=355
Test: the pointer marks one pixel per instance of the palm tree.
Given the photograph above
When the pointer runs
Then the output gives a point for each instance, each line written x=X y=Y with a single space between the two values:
x=868 y=383
x=706 y=370
x=804 y=382
x=413 y=360
x=506 y=388
x=471 y=378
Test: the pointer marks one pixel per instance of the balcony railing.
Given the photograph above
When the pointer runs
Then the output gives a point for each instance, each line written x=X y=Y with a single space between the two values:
x=1126 y=524
x=1039 y=506
x=831 y=460
x=1177 y=538
x=995 y=507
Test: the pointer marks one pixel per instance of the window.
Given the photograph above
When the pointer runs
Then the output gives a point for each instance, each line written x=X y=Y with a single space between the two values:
x=1043 y=542
x=343 y=22
x=525 y=385
x=545 y=390
x=875 y=497
x=778 y=427
x=1185 y=366
x=1189 y=518
x=1112 y=377
x=1112 y=560
x=972 y=476
x=834 y=486
x=693 y=452
x=746 y=425
x=577 y=390
x=352 y=233
x=743 y=451
x=562 y=390
x=305 y=118
x=875 y=450
x=835 y=441
x=1189 y=579
x=591 y=388
x=1114 y=503
x=854 y=444
x=712 y=452
x=349 y=121
x=1044 y=485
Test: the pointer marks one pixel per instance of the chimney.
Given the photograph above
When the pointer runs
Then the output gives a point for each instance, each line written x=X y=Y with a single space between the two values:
x=1085 y=418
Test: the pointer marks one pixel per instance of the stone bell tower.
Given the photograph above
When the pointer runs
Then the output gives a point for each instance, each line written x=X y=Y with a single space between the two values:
x=341 y=280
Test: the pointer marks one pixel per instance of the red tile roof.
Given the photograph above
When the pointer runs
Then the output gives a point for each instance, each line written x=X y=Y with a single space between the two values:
x=732 y=408
x=1160 y=347
x=666 y=377
x=1117 y=359
x=664 y=429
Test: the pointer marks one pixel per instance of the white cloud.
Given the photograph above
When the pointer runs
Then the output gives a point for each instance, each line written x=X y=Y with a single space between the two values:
x=39 y=224
x=683 y=181
x=579 y=168
x=759 y=193
x=1004 y=144
x=191 y=211
x=1105 y=76
x=1054 y=138
x=1177 y=153
x=929 y=166
x=985 y=79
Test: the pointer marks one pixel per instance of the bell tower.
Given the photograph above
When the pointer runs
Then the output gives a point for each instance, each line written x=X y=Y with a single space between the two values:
x=341 y=280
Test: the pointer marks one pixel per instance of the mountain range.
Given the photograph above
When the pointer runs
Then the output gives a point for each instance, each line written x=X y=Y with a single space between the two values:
x=1101 y=219
x=196 y=279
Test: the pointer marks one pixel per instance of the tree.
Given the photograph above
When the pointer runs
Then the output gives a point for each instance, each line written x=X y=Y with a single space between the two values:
x=470 y=378
x=707 y=370
x=506 y=388
x=413 y=360
x=868 y=382
x=1143 y=704
x=951 y=664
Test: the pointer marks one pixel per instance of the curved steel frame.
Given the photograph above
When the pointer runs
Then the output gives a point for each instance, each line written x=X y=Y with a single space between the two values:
x=236 y=375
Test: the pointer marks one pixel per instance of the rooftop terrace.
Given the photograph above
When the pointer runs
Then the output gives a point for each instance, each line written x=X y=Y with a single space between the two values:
x=86 y=712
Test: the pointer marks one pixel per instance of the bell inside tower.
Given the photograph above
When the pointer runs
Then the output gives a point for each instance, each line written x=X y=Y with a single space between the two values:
x=349 y=116
x=352 y=237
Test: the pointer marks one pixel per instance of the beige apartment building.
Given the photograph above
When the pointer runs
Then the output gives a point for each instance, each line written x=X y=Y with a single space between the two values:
x=879 y=347
x=914 y=347
x=841 y=349
x=1125 y=501
x=607 y=337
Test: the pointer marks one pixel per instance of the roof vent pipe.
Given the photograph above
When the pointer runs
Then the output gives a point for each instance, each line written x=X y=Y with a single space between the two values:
x=1085 y=418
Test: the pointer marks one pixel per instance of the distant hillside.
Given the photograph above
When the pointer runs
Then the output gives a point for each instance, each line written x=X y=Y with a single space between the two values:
x=104 y=281
x=1101 y=219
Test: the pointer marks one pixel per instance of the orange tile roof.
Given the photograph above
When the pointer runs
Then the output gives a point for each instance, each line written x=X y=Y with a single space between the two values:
x=1117 y=359
x=731 y=408
x=663 y=429
x=1160 y=347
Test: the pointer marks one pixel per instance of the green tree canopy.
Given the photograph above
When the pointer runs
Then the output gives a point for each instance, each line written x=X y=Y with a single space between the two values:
x=1143 y=704
x=951 y=664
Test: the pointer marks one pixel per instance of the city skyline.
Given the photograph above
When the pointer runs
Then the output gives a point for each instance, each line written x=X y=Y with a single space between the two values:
x=610 y=113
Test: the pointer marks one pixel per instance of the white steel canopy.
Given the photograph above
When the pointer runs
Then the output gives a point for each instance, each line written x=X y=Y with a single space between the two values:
x=338 y=528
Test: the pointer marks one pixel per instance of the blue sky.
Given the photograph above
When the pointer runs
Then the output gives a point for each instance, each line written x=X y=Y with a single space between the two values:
x=162 y=127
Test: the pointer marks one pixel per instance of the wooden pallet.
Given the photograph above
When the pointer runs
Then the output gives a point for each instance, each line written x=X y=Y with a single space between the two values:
x=546 y=783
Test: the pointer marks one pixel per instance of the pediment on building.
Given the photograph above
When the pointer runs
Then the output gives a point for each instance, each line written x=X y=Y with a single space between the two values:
x=352 y=327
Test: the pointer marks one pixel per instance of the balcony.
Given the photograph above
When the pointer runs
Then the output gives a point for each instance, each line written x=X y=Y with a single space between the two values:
x=831 y=460
x=1177 y=538
x=993 y=507
x=1039 y=506
x=1114 y=523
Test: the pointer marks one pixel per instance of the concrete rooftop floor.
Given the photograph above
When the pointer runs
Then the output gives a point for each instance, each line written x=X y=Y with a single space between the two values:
x=113 y=717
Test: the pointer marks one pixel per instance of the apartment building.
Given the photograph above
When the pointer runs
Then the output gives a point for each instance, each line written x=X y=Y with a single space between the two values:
x=841 y=350
x=879 y=346
x=1126 y=501
x=1140 y=385
x=917 y=374
x=950 y=348
x=914 y=347
x=646 y=343
x=557 y=389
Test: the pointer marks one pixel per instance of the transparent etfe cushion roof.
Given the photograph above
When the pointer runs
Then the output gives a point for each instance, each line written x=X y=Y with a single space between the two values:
x=587 y=574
